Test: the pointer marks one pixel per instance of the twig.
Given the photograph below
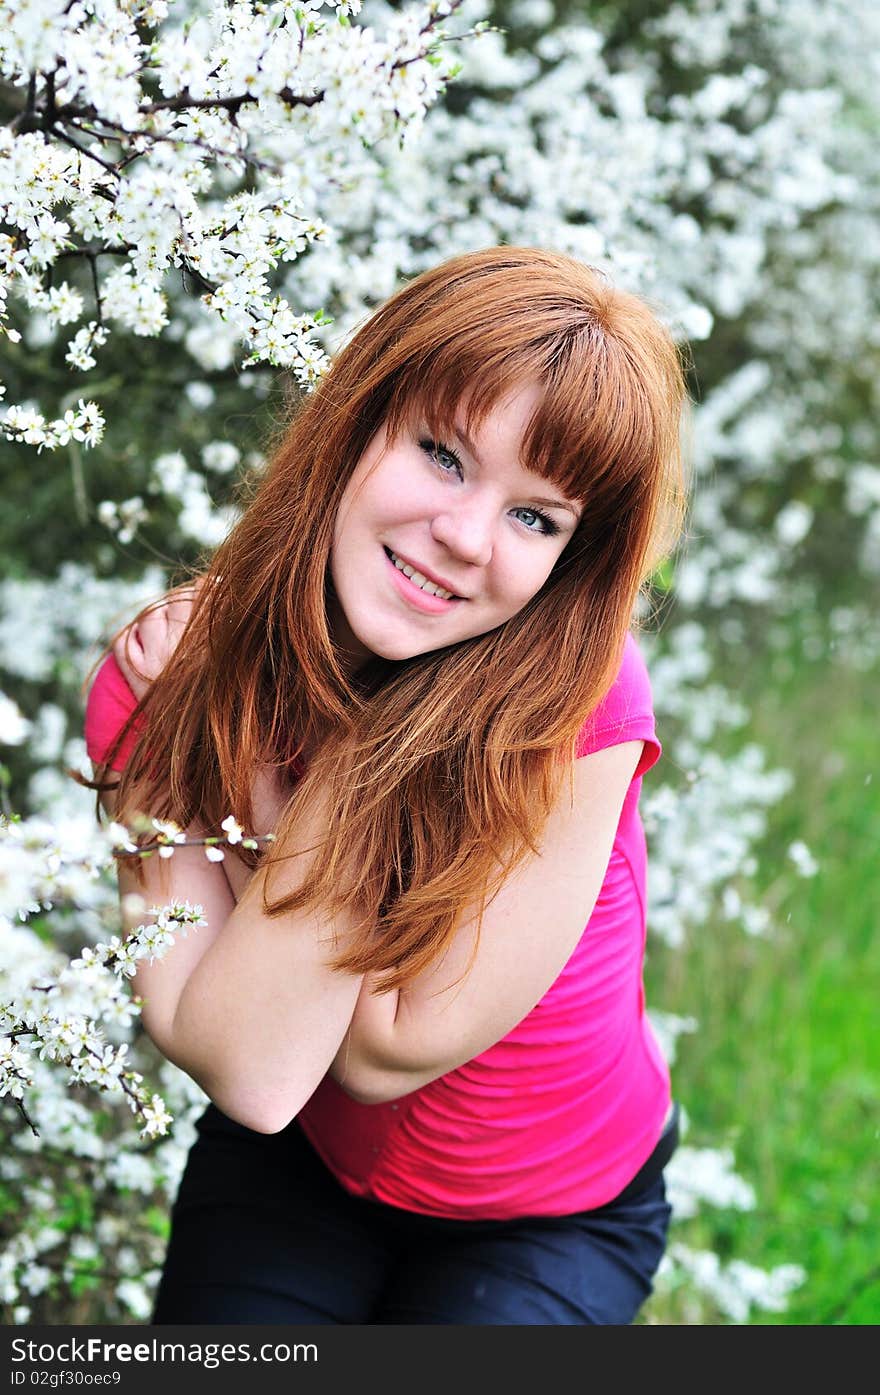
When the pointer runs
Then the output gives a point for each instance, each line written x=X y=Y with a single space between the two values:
x=69 y=140
x=28 y=1120
x=194 y=843
x=231 y=104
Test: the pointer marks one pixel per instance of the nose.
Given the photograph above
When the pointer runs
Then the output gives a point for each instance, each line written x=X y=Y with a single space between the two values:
x=466 y=530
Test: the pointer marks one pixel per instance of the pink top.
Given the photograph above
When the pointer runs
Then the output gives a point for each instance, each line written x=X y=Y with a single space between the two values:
x=561 y=1113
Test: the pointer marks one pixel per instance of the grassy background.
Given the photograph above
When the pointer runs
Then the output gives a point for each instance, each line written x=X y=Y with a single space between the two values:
x=785 y=1064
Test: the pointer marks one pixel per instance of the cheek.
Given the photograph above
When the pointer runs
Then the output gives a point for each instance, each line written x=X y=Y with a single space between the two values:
x=396 y=490
x=523 y=578
x=354 y=518
x=385 y=497
x=345 y=548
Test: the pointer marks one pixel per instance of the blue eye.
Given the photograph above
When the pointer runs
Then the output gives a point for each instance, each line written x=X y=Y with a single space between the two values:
x=444 y=458
x=548 y=525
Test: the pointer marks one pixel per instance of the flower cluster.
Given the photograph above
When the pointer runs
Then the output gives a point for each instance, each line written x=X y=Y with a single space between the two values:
x=149 y=141
x=82 y=423
x=58 y=1020
x=62 y=1016
x=67 y=1022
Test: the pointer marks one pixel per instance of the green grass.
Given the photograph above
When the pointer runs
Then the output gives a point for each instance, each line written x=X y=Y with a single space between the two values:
x=785 y=1065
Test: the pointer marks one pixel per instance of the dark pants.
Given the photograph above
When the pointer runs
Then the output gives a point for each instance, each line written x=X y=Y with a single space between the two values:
x=262 y=1233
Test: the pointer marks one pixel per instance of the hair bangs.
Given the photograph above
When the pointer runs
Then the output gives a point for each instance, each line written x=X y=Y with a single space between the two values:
x=594 y=428
x=461 y=381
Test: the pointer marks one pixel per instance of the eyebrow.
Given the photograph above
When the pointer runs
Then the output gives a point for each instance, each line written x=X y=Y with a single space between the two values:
x=547 y=503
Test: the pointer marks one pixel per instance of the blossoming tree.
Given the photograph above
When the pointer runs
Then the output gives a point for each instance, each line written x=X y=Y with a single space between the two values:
x=242 y=182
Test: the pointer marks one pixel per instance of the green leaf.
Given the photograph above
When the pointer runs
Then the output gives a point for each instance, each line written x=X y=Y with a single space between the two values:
x=157 y=1222
x=662 y=579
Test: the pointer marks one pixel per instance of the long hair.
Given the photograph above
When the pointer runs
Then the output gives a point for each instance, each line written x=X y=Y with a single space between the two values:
x=442 y=768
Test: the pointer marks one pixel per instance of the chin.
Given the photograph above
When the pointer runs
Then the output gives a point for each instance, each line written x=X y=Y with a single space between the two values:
x=397 y=650
x=396 y=653
x=381 y=646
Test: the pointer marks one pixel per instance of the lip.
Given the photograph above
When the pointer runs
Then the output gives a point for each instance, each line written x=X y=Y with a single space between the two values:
x=414 y=597
x=430 y=576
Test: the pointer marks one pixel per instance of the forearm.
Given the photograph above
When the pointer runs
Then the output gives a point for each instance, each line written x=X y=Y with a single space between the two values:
x=246 y=1005
x=262 y=1015
x=249 y=1006
x=187 y=876
x=492 y=974
x=367 y=1065
x=401 y=1040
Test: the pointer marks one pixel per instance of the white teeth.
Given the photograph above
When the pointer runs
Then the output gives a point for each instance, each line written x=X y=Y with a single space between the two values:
x=421 y=581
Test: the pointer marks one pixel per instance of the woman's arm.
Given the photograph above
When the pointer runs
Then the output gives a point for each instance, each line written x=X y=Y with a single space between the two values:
x=248 y=1004
x=255 y=1026
x=401 y=1040
x=262 y=1014
x=186 y=876
x=141 y=652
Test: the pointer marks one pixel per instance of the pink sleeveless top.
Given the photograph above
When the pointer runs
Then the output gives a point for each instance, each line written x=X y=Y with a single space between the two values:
x=560 y=1114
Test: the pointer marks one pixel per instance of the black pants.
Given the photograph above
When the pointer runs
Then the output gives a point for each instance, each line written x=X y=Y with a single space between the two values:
x=262 y=1233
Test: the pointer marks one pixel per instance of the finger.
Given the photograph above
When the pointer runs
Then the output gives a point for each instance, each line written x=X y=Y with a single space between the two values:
x=160 y=631
x=128 y=652
x=153 y=638
x=177 y=615
x=142 y=649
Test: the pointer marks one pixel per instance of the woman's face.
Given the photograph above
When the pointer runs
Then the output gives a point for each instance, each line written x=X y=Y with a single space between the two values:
x=460 y=515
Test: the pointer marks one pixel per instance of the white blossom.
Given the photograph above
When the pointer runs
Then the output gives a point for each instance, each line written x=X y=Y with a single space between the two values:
x=793 y=522
x=220 y=456
x=237 y=85
x=14 y=727
x=802 y=858
x=233 y=830
x=736 y=1287
x=156 y=1118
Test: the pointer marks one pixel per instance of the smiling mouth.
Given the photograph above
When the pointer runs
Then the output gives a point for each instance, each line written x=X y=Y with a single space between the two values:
x=430 y=588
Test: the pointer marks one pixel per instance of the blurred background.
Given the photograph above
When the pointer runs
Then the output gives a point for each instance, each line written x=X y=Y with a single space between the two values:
x=722 y=160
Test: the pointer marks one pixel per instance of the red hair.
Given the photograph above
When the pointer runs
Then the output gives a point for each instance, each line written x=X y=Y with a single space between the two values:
x=443 y=767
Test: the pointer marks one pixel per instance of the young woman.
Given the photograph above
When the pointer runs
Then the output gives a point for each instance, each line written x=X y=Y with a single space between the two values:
x=419 y=1016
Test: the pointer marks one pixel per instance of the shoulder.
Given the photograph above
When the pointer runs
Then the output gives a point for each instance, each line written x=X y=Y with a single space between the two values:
x=626 y=713
x=109 y=705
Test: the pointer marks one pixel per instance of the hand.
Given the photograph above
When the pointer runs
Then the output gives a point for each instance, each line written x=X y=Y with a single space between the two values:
x=142 y=650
